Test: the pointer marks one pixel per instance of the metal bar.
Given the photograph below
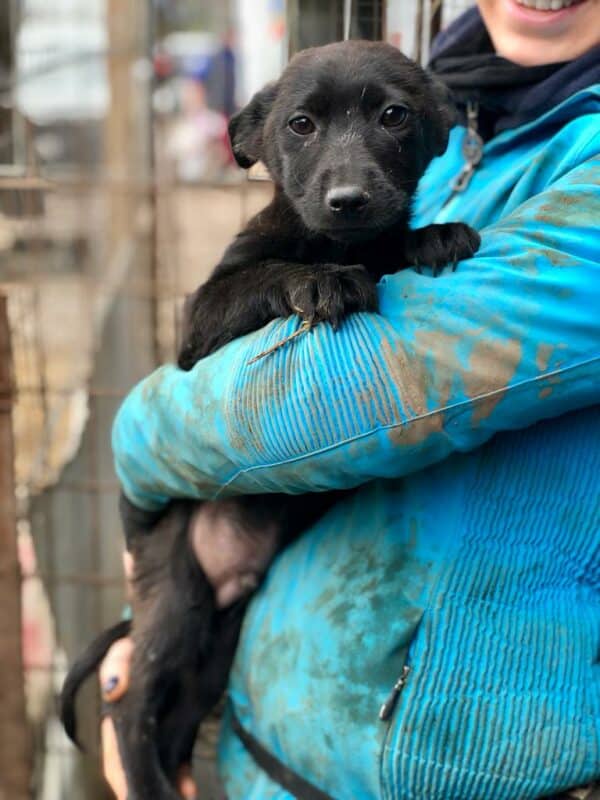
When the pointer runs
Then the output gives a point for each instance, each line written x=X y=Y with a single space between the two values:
x=91 y=485
x=90 y=579
x=64 y=390
x=15 y=178
x=15 y=753
x=347 y=19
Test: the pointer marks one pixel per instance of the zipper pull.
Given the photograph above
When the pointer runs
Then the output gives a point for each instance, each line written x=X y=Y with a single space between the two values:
x=472 y=150
x=385 y=712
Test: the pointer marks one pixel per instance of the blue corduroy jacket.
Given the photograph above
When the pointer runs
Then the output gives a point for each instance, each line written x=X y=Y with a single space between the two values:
x=471 y=553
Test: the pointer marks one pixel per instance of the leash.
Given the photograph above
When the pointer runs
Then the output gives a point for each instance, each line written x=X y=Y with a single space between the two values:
x=293 y=783
x=302 y=789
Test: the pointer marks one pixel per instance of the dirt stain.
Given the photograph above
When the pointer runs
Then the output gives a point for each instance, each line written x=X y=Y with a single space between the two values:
x=434 y=363
x=542 y=356
x=492 y=364
x=441 y=351
x=409 y=377
x=569 y=209
x=556 y=257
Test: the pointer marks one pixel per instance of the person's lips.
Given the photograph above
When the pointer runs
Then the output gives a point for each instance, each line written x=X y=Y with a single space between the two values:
x=549 y=5
x=543 y=12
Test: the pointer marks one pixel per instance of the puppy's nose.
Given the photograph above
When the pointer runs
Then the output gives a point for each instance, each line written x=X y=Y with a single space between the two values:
x=346 y=198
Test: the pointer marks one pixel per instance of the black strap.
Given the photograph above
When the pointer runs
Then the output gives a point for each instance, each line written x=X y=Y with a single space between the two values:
x=297 y=786
x=303 y=790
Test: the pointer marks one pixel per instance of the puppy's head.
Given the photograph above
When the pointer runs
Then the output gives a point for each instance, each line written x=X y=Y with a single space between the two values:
x=346 y=133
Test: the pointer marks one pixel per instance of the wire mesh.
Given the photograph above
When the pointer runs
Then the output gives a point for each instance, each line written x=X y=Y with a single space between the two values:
x=314 y=22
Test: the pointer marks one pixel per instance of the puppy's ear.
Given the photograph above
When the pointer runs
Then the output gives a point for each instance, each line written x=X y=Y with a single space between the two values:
x=441 y=117
x=246 y=127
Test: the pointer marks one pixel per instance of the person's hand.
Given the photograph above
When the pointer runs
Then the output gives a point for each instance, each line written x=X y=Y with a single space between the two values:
x=114 y=681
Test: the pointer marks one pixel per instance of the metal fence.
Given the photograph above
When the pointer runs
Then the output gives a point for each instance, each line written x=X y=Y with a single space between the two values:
x=117 y=196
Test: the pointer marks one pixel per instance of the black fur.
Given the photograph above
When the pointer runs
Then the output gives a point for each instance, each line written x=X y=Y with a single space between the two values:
x=339 y=220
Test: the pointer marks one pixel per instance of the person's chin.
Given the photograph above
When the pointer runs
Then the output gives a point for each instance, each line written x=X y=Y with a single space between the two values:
x=530 y=21
x=529 y=34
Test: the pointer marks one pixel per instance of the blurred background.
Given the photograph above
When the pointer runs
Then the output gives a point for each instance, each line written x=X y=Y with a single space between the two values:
x=118 y=194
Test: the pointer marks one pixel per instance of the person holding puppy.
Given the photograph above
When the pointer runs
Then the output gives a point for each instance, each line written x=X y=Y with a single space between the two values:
x=436 y=634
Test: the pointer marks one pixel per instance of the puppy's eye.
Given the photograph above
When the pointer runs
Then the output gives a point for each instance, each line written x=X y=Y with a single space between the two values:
x=302 y=125
x=394 y=116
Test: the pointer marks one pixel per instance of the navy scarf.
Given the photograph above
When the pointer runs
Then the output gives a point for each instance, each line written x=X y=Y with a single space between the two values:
x=508 y=95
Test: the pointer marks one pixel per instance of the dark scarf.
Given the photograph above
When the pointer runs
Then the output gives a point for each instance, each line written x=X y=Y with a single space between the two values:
x=507 y=94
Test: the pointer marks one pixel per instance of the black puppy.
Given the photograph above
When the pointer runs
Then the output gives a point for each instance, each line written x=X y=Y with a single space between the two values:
x=346 y=134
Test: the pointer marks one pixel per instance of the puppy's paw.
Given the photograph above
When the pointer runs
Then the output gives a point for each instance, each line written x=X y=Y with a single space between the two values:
x=438 y=246
x=328 y=292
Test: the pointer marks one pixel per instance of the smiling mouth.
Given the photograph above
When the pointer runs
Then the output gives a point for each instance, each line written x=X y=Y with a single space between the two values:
x=549 y=5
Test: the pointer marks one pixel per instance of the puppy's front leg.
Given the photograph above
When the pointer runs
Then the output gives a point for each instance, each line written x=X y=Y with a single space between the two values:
x=328 y=292
x=237 y=301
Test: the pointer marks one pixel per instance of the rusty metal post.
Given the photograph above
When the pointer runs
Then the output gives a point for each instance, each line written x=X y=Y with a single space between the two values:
x=15 y=752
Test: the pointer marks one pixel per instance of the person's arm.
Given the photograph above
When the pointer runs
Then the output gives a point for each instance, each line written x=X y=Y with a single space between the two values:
x=511 y=338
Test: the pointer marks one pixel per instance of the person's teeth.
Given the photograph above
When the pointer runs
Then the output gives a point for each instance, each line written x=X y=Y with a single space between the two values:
x=547 y=5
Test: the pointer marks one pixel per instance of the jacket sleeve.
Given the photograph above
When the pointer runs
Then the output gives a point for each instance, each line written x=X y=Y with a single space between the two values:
x=510 y=338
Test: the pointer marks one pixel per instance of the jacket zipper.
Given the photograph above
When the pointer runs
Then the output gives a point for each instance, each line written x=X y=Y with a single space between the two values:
x=472 y=149
x=387 y=709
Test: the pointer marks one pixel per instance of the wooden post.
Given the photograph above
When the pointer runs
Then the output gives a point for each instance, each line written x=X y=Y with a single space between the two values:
x=15 y=753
